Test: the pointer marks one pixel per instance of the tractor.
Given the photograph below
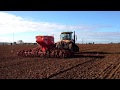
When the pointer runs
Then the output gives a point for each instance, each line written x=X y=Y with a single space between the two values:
x=64 y=48
x=67 y=42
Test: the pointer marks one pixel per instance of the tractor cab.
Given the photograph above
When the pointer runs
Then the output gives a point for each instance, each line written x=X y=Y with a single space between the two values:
x=66 y=36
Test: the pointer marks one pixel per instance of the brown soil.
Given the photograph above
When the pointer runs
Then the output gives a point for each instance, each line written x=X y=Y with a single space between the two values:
x=95 y=61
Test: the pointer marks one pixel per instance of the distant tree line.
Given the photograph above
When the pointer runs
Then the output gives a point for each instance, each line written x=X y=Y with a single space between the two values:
x=114 y=43
x=90 y=43
x=23 y=43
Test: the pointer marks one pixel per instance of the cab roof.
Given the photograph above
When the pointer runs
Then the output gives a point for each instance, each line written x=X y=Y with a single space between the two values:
x=66 y=32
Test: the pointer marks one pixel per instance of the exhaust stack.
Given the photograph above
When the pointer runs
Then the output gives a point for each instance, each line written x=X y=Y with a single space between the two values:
x=74 y=37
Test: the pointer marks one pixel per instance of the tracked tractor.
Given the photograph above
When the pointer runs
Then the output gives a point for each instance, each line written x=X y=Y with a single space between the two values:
x=64 y=48
x=67 y=42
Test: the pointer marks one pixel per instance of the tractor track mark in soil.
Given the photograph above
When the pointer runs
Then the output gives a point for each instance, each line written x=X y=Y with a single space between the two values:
x=85 y=70
x=113 y=71
x=109 y=71
x=55 y=74
x=86 y=66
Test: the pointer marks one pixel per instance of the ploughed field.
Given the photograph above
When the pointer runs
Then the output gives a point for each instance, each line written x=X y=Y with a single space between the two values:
x=95 y=61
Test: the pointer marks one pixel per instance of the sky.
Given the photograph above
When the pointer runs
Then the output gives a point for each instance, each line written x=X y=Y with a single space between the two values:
x=89 y=26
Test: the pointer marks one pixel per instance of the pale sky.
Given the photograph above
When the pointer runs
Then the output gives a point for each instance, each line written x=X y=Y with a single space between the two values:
x=90 y=26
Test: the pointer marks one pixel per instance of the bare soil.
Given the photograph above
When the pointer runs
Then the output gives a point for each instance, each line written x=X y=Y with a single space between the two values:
x=95 y=61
